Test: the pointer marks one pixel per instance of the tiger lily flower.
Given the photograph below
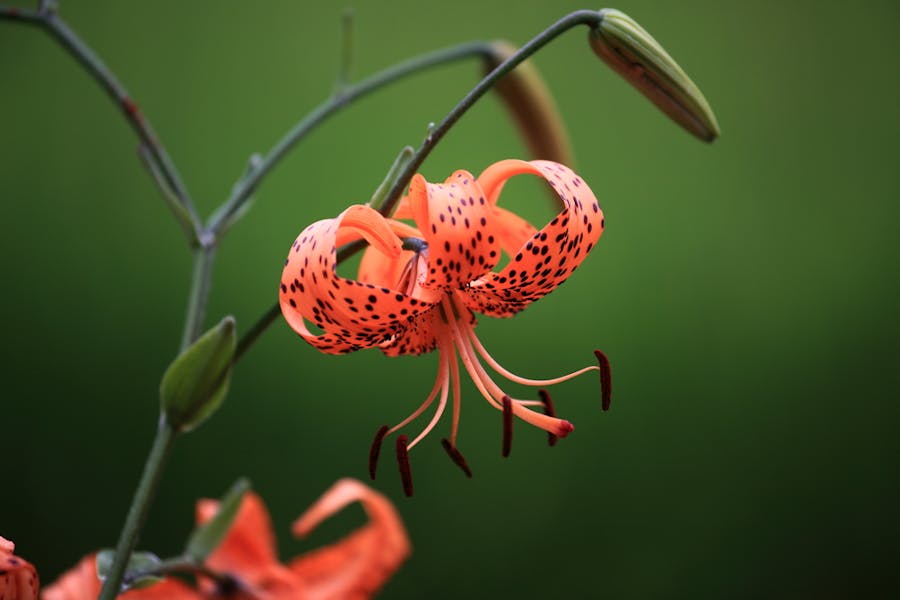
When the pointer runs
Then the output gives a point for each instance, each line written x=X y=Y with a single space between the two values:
x=354 y=568
x=18 y=577
x=419 y=286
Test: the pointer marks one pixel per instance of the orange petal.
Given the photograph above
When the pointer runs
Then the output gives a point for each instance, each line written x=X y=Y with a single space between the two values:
x=547 y=257
x=357 y=566
x=511 y=229
x=454 y=218
x=352 y=315
x=249 y=546
x=18 y=577
x=81 y=583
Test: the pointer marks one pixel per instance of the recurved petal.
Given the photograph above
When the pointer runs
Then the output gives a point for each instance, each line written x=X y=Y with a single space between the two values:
x=248 y=548
x=454 y=218
x=547 y=257
x=18 y=577
x=359 y=565
x=352 y=315
x=81 y=583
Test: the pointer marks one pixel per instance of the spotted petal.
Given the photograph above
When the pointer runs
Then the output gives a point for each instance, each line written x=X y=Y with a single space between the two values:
x=352 y=314
x=545 y=258
x=454 y=218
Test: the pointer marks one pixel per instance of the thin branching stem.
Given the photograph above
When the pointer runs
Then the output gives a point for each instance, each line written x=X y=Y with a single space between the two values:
x=52 y=23
x=246 y=187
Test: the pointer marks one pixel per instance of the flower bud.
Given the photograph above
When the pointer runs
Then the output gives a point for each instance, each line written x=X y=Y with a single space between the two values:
x=635 y=55
x=196 y=382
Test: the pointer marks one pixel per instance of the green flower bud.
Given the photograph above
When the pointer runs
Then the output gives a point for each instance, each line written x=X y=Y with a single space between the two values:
x=635 y=55
x=196 y=383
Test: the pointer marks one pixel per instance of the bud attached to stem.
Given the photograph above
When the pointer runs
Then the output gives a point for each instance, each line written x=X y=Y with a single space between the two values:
x=196 y=383
x=633 y=53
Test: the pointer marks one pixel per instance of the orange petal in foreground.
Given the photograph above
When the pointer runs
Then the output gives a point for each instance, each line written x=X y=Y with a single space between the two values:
x=353 y=568
x=81 y=583
x=18 y=578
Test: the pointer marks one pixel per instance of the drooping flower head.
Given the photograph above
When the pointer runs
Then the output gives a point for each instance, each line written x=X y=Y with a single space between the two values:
x=419 y=286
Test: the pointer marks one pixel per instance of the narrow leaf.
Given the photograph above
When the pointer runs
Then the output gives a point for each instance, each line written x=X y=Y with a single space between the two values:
x=207 y=537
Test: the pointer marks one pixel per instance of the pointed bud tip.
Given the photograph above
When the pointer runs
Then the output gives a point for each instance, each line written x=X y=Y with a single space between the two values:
x=635 y=55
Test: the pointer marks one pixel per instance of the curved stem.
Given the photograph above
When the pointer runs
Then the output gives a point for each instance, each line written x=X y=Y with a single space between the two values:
x=137 y=514
x=580 y=17
x=245 y=188
x=257 y=330
x=60 y=31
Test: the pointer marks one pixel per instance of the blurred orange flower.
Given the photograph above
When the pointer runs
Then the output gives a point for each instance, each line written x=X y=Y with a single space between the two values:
x=354 y=568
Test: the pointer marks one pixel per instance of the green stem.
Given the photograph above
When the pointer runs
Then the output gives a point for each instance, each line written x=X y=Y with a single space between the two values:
x=200 y=285
x=245 y=188
x=581 y=17
x=60 y=31
x=137 y=514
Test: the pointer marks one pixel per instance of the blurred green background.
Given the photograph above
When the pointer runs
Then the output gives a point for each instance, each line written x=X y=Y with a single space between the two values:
x=746 y=293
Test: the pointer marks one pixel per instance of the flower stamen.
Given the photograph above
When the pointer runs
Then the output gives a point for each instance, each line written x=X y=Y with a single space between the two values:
x=549 y=411
x=507 y=425
x=375 y=450
x=439 y=382
x=442 y=403
x=457 y=457
x=403 y=463
x=605 y=380
x=469 y=332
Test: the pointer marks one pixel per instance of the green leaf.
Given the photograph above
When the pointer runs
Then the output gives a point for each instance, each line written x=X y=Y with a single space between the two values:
x=633 y=53
x=136 y=570
x=378 y=198
x=207 y=537
x=196 y=383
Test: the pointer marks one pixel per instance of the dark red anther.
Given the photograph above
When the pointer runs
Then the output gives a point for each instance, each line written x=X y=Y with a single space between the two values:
x=552 y=438
x=457 y=457
x=375 y=450
x=403 y=461
x=507 y=425
x=605 y=380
